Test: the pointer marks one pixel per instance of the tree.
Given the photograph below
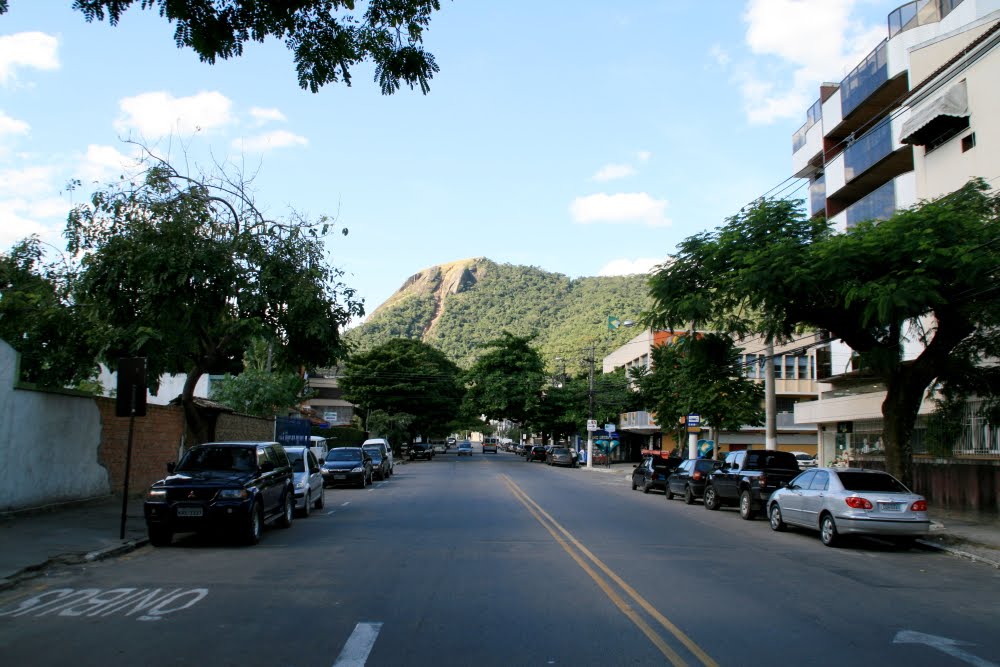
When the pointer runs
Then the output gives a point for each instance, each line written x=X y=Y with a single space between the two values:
x=187 y=272
x=39 y=319
x=927 y=274
x=327 y=37
x=701 y=375
x=258 y=390
x=405 y=377
x=506 y=381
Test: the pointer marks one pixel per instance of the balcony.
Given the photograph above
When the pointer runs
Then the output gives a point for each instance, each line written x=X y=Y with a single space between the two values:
x=817 y=196
x=865 y=79
x=879 y=205
x=918 y=13
x=866 y=165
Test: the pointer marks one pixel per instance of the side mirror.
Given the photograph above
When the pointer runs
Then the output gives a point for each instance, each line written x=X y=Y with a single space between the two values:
x=171 y=467
x=267 y=466
x=736 y=466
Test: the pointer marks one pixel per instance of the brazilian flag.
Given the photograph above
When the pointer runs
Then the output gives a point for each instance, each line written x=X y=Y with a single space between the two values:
x=613 y=322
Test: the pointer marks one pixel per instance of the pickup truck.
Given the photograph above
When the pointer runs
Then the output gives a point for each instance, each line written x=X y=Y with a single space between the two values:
x=748 y=478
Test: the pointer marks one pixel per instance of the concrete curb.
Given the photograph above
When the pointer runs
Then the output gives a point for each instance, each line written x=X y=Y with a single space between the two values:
x=34 y=571
x=960 y=553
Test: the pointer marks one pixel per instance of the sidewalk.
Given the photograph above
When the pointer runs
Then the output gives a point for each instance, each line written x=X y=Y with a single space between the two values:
x=76 y=533
x=965 y=534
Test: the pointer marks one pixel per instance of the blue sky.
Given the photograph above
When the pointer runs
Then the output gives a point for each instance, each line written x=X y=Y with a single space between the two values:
x=582 y=137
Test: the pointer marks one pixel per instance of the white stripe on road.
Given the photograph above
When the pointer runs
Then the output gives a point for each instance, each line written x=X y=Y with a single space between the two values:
x=358 y=645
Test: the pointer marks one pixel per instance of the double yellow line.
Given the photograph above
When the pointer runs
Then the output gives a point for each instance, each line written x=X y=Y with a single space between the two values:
x=578 y=552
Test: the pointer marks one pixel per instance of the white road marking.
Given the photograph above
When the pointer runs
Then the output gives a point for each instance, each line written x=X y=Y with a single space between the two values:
x=359 y=645
x=943 y=644
x=345 y=504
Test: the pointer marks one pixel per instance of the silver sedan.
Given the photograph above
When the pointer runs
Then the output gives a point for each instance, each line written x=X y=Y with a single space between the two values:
x=850 y=501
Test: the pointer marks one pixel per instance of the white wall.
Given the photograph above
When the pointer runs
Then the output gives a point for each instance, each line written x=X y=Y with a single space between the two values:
x=171 y=386
x=48 y=444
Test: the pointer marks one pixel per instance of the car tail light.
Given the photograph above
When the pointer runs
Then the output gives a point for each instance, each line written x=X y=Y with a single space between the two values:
x=762 y=481
x=919 y=506
x=858 y=503
x=696 y=476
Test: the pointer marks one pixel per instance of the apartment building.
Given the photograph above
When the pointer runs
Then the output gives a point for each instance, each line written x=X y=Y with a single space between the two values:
x=916 y=119
x=795 y=370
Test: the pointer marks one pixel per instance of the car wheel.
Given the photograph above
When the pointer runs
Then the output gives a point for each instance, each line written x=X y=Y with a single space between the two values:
x=774 y=515
x=828 y=531
x=288 y=512
x=711 y=498
x=254 y=525
x=160 y=537
x=307 y=506
x=688 y=495
x=320 y=501
x=668 y=492
x=634 y=486
x=746 y=505
x=645 y=488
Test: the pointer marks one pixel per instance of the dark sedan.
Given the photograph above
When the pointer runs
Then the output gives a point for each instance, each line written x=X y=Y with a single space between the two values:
x=561 y=456
x=536 y=453
x=688 y=480
x=652 y=473
x=347 y=466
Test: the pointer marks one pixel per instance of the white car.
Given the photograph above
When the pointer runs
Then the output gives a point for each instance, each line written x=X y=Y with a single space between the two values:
x=308 y=479
x=384 y=446
x=805 y=460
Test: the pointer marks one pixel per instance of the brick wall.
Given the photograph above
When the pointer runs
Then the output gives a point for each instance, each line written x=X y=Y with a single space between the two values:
x=243 y=427
x=156 y=440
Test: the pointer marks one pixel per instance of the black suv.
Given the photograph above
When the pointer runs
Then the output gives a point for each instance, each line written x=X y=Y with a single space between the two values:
x=419 y=450
x=688 y=480
x=652 y=473
x=232 y=486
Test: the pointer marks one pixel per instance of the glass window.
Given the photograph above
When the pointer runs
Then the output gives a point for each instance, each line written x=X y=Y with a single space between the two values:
x=821 y=482
x=777 y=368
x=750 y=365
x=871 y=481
x=805 y=368
x=803 y=480
x=790 y=367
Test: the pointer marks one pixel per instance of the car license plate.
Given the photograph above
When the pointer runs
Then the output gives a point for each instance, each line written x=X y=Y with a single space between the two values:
x=340 y=476
x=189 y=511
x=891 y=507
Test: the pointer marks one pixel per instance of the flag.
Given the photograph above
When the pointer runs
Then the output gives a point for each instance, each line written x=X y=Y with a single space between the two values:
x=613 y=322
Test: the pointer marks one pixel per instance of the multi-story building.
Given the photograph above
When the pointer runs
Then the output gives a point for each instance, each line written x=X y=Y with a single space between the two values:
x=328 y=405
x=914 y=120
x=795 y=381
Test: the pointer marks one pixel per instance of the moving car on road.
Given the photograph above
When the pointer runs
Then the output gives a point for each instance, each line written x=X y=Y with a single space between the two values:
x=465 y=448
x=490 y=444
x=850 y=501
x=347 y=466
x=231 y=486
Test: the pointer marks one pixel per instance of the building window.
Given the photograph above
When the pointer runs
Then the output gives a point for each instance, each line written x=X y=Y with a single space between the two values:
x=750 y=365
x=777 y=368
x=948 y=132
x=968 y=142
x=805 y=368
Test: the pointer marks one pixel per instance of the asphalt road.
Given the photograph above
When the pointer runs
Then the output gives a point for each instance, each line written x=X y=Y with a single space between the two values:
x=488 y=560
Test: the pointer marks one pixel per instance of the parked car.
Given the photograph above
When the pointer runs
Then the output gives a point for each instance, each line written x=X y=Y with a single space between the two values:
x=380 y=464
x=535 y=453
x=319 y=447
x=419 y=450
x=465 y=448
x=747 y=478
x=805 y=460
x=308 y=479
x=561 y=456
x=688 y=479
x=234 y=486
x=439 y=447
x=451 y=442
x=347 y=466
x=386 y=448
x=653 y=471
x=850 y=501
x=490 y=444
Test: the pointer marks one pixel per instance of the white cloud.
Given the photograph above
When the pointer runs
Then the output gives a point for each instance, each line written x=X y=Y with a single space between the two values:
x=612 y=172
x=155 y=115
x=26 y=182
x=20 y=218
x=10 y=125
x=101 y=164
x=627 y=267
x=644 y=156
x=620 y=208
x=262 y=116
x=270 y=141
x=720 y=55
x=812 y=40
x=26 y=49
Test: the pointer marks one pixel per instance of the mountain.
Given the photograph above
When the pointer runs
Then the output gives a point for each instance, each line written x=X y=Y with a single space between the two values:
x=460 y=305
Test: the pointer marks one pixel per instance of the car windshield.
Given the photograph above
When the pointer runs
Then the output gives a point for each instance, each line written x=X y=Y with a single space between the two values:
x=803 y=457
x=871 y=481
x=344 y=455
x=371 y=449
x=241 y=459
x=560 y=450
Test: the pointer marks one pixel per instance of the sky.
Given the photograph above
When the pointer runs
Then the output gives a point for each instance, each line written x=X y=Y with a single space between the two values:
x=579 y=136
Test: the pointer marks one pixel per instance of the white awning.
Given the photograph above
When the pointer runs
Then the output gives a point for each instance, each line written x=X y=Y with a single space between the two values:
x=934 y=118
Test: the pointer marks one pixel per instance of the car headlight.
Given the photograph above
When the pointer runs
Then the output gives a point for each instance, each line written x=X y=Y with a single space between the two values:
x=156 y=494
x=301 y=485
x=233 y=494
x=358 y=469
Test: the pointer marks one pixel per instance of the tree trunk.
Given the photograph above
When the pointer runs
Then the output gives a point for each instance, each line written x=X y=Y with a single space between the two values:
x=905 y=392
x=199 y=427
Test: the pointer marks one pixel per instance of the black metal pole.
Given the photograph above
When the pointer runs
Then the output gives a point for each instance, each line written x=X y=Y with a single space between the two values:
x=128 y=465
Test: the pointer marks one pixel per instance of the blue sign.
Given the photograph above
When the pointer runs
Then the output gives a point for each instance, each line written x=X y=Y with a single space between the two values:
x=694 y=420
x=292 y=431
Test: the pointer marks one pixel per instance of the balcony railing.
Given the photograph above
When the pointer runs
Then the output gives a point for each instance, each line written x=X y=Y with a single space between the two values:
x=878 y=205
x=813 y=116
x=817 y=196
x=868 y=150
x=866 y=78
x=918 y=13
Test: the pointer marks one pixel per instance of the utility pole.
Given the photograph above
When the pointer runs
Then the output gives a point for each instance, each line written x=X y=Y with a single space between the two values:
x=770 y=402
x=590 y=411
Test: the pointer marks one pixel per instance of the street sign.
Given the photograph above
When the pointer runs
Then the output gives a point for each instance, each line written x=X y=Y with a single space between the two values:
x=610 y=428
x=591 y=424
x=694 y=420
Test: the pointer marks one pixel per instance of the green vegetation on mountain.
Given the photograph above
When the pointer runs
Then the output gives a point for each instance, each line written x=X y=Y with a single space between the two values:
x=461 y=306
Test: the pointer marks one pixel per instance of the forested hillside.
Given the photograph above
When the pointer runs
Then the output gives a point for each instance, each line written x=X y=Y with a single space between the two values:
x=458 y=306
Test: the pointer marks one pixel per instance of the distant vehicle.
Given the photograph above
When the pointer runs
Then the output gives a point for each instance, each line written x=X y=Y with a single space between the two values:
x=347 y=466
x=439 y=447
x=652 y=473
x=308 y=479
x=465 y=448
x=235 y=486
x=419 y=450
x=319 y=447
x=535 y=453
x=451 y=442
x=850 y=501
x=805 y=460
x=688 y=479
x=490 y=444
x=561 y=456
